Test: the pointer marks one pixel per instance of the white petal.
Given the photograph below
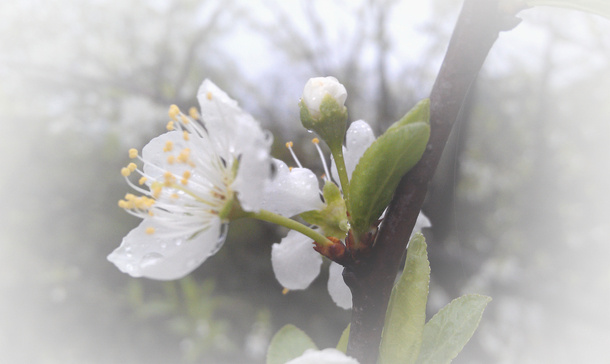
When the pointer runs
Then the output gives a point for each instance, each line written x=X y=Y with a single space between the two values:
x=292 y=191
x=326 y=356
x=236 y=135
x=337 y=288
x=294 y=261
x=358 y=139
x=164 y=255
x=155 y=156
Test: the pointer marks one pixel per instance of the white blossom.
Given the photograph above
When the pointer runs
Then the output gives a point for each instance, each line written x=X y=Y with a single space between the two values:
x=189 y=179
x=295 y=263
x=326 y=356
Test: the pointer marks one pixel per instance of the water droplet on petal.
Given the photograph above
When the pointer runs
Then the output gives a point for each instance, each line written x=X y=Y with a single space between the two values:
x=150 y=259
x=224 y=228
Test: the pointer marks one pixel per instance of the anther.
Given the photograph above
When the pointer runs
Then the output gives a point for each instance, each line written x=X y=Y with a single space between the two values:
x=289 y=145
x=170 y=125
x=125 y=172
x=173 y=112
x=171 y=159
x=150 y=230
x=132 y=167
x=194 y=113
x=184 y=155
x=184 y=119
x=169 y=178
x=185 y=135
x=169 y=145
x=285 y=291
x=315 y=141
x=133 y=153
x=142 y=181
x=209 y=95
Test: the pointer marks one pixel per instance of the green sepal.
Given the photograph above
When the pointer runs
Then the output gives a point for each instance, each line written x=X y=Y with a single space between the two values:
x=342 y=344
x=332 y=219
x=288 y=343
x=330 y=125
x=599 y=7
x=382 y=166
x=451 y=328
x=406 y=313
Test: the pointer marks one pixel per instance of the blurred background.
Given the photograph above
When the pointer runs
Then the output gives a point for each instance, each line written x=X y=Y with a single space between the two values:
x=519 y=205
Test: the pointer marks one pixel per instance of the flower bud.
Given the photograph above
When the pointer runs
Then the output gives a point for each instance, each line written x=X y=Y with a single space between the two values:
x=318 y=87
x=323 y=110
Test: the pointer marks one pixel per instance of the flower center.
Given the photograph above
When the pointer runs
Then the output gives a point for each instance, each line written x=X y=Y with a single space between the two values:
x=187 y=180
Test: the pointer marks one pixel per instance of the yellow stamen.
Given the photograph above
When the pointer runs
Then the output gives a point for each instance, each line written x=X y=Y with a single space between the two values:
x=132 y=167
x=173 y=112
x=156 y=191
x=289 y=145
x=285 y=291
x=169 y=145
x=194 y=113
x=169 y=178
x=186 y=174
x=125 y=172
x=150 y=230
x=142 y=181
x=185 y=135
x=209 y=95
x=175 y=195
x=315 y=141
x=123 y=204
x=171 y=159
x=133 y=153
x=184 y=119
x=170 y=125
x=289 y=169
x=183 y=157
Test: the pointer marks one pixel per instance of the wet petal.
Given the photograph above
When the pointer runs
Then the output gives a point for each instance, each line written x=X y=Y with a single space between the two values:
x=237 y=137
x=292 y=192
x=337 y=288
x=164 y=254
x=358 y=139
x=294 y=261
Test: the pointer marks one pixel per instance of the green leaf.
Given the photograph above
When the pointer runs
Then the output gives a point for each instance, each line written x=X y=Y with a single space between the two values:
x=288 y=343
x=382 y=166
x=406 y=315
x=342 y=344
x=599 y=7
x=419 y=112
x=450 y=329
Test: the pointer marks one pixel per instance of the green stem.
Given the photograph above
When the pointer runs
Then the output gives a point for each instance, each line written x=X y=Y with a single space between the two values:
x=290 y=224
x=340 y=163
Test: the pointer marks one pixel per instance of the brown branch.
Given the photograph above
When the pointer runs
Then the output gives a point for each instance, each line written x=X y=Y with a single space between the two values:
x=371 y=281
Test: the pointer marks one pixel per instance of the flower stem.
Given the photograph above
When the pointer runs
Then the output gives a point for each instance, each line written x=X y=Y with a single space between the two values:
x=340 y=163
x=290 y=224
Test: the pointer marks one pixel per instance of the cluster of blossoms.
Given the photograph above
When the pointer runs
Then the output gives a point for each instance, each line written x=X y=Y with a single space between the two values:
x=215 y=166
